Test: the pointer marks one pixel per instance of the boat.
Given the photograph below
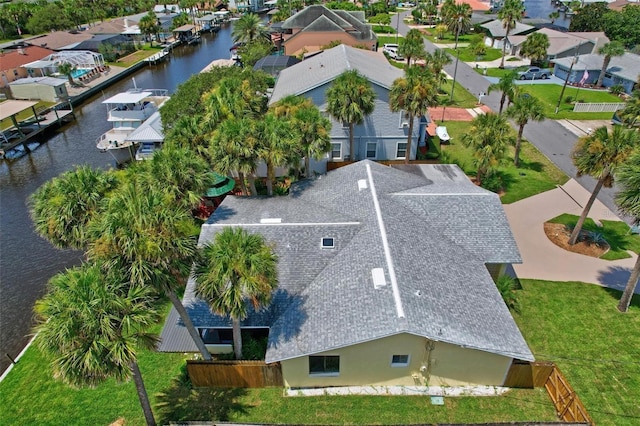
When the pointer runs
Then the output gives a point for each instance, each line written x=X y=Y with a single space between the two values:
x=149 y=137
x=19 y=151
x=127 y=111
x=442 y=133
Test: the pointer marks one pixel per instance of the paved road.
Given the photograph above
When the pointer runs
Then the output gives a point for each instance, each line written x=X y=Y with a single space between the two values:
x=553 y=140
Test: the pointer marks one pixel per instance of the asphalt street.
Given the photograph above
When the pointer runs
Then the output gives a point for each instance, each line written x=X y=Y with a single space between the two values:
x=553 y=140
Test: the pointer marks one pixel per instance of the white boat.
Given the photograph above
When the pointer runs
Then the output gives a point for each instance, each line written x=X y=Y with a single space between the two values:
x=159 y=57
x=442 y=133
x=127 y=111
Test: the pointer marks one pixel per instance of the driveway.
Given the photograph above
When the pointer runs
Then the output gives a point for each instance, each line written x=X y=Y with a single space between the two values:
x=544 y=260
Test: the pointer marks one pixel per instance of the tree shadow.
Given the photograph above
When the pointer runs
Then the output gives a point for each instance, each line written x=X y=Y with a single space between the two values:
x=525 y=164
x=182 y=402
x=615 y=278
x=617 y=294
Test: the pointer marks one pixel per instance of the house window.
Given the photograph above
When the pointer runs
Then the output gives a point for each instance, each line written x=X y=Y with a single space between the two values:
x=216 y=336
x=607 y=75
x=336 y=151
x=324 y=365
x=401 y=150
x=400 y=360
x=371 y=150
x=345 y=124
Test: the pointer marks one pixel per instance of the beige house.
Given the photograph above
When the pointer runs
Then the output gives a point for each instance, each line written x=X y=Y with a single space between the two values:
x=316 y=26
x=562 y=44
x=383 y=280
x=47 y=89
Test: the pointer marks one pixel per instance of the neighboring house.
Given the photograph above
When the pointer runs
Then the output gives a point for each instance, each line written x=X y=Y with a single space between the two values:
x=383 y=134
x=60 y=40
x=622 y=70
x=562 y=44
x=495 y=32
x=385 y=278
x=13 y=62
x=47 y=89
x=84 y=62
x=316 y=26
x=618 y=5
x=94 y=43
x=247 y=5
x=273 y=64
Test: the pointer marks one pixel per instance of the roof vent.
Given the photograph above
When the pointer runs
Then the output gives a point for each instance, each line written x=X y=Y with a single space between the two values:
x=378 y=278
x=418 y=293
x=271 y=220
x=328 y=243
x=362 y=184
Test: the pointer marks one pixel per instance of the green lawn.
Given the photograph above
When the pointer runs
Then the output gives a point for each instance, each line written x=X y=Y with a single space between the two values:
x=382 y=40
x=577 y=326
x=499 y=72
x=448 y=38
x=467 y=56
x=536 y=173
x=549 y=94
x=614 y=231
x=462 y=98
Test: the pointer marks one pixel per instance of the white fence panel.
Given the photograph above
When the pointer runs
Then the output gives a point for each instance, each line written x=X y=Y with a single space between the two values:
x=597 y=107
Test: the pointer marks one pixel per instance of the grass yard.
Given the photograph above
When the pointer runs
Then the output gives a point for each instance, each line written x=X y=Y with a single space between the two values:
x=500 y=72
x=597 y=348
x=536 y=173
x=467 y=56
x=383 y=29
x=137 y=56
x=462 y=98
x=448 y=38
x=549 y=94
x=614 y=231
x=390 y=39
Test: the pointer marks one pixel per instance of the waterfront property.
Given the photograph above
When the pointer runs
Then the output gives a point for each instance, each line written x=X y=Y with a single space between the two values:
x=84 y=63
x=383 y=134
x=48 y=89
x=14 y=63
x=385 y=278
x=149 y=137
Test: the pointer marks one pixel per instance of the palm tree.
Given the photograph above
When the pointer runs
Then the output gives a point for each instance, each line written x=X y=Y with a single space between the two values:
x=630 y=114
x=276 y=138
x=507 y=86
x=237 y=268
x=188 y=131
x=249 y=28
x=148 y=26
x=524 y=108
x=234 y=149
x=412 y=46
x=413 y=94
x=535 y=47
x=609 y=50
x=67 y=69
x=142 y=233
x=91 y=324
x=510 y=14
x=63 y=207
x=628 y=200
x=349 y=100
x=489 y=136
x=237 y=97
x=436 y=61
x=457 y=18
x=598 y=155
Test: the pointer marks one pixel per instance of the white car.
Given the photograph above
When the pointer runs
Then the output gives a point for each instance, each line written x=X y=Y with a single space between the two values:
x=391 y=50
x=406 y=4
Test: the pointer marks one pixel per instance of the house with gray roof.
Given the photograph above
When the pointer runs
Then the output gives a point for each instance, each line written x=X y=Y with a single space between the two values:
x=623 y=70
x=383 y=134
x=316 y=26
x=496 y=33
x=385 y=278
x=562 y=44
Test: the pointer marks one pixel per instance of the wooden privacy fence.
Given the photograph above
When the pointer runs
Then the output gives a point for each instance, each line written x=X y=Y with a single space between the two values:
x=234 y=374
x=597 y=107
x=523 y=374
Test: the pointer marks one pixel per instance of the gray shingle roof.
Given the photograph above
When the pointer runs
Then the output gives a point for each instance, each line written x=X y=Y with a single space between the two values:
x=328 y=65
x=149 y=131
x=625 y=66
x=497 y=29
x=440 y=230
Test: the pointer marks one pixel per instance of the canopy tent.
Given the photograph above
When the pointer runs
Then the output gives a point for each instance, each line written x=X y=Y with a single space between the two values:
x=222 y=185
x=80 y=59
x=130 y=97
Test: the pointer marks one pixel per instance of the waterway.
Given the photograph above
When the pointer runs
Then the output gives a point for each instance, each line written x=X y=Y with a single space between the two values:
x=26 y=260
x=542 y=9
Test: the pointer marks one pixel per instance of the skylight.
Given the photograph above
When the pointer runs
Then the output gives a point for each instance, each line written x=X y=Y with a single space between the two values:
x=328 y=243
x=378 y=278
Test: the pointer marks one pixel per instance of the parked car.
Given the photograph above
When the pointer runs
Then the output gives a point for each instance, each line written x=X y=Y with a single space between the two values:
x=534 y=73
x=406 y=4
x=391 y=50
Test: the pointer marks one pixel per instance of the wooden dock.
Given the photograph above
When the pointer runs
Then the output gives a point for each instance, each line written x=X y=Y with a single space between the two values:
x=22 y=131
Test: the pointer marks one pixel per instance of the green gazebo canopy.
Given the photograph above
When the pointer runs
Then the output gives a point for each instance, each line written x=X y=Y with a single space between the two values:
x=221 y=185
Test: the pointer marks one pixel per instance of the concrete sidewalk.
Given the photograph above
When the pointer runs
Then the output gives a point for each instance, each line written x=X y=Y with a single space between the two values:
x=544 y=260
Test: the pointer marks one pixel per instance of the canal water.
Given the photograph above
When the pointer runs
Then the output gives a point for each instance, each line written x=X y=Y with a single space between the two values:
x=26 y=260
x=542 y=9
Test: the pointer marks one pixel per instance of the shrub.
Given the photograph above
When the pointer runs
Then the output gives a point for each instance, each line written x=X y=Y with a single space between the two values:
x=492 y=182
x=594 y=237
x=568 y=99
x=617 y=89
x=507 y=287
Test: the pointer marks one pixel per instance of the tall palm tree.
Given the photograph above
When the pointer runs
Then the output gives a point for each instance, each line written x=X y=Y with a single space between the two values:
x=249 y=28
x=237 y=97
x=149 y=26
x=628 y=201
x=489 y=137
x=62 y=207
x=67 y=69
x=458 y=19
x=507 y=86
x=349 y=100
x=237 y=268
x=412 y=46
x=524 y=109
x=630 y=114
x=413 y=94
x=510 y=14
x=535 y=47
x=609 y=50
x=276 y=139
x=234 y=149
x=189 y=131
x=599 y=155
x=91 y=325
x=142 y=233
x=436 y=61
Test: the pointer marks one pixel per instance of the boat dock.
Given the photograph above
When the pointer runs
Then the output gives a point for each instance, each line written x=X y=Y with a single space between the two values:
x=18 y=127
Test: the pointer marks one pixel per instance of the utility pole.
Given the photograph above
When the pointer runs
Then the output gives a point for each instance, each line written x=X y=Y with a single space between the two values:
x=566 y=80
x=455 y=69
x=397 y=26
